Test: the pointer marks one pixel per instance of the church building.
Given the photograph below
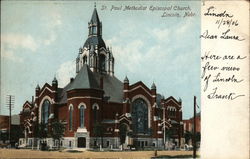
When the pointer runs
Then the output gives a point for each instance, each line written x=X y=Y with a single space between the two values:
x=98 y=109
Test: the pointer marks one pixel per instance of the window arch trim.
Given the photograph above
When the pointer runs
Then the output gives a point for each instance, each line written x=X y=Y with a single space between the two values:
x=148 y=105
x=41 y=104
x=95 y=105
x=82 y=104
x=71 y=105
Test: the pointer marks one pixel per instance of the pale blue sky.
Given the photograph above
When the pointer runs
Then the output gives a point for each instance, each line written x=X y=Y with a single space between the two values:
x=41 y=39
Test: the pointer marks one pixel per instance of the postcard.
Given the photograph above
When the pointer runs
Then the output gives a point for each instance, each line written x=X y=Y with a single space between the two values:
x=124 y=79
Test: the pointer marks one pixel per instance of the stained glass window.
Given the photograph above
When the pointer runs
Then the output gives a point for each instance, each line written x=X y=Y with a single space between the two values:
x=70 y=118
x=82 y=116
x=45 y=111
x=140 y=116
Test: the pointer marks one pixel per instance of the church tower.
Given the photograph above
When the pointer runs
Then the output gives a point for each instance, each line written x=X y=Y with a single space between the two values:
x=94 y=52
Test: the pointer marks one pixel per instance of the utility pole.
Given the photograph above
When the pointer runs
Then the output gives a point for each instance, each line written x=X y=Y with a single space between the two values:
x=194 y=131
x=10 y=104
x=164 y=128
x=165 y=124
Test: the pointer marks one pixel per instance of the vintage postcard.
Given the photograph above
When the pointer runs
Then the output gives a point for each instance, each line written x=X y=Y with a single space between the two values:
x=124 y=79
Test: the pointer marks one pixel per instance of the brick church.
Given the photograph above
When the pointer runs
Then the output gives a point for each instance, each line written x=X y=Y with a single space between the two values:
x=128 y=114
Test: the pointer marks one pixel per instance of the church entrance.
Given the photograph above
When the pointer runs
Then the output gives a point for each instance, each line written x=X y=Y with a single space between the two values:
x=81 y=142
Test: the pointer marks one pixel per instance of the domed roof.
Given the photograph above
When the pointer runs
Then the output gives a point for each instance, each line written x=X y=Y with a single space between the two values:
x=95 y=40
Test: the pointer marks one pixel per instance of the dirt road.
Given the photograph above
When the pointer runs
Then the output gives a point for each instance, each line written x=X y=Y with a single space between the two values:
x=13 y=153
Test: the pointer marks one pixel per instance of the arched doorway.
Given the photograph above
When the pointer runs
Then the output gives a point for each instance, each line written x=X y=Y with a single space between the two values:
x=81 y=142
x=123 y=133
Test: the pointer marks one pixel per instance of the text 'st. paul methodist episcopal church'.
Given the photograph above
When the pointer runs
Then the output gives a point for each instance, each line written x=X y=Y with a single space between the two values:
x=99 y=109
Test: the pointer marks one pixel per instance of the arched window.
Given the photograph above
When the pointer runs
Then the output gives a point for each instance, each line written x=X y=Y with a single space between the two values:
x=140 y=116
x=102 y=62
x=95 y=108
x=70 y=117
x=81 y=115
x=85 y=59
x=95 y=114
x=45 y=111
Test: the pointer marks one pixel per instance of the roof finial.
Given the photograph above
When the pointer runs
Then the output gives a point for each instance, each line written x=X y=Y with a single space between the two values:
x=126 y=80
x=95 y=5
x=153 y=86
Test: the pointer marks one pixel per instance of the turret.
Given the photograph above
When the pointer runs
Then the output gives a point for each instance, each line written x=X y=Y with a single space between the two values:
x=153 y=92
x=95 y=26
x=126 y=83
x=37 y=90
x=153 y=89
x=55 y=83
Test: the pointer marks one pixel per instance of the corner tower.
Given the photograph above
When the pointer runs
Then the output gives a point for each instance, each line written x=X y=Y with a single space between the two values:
x=94 y=52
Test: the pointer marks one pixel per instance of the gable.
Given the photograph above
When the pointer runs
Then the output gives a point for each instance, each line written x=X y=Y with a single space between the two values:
x=172 y=101
x=140 y=85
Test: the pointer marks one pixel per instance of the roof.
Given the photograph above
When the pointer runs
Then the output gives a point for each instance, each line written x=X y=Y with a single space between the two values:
x=113 y=87
x=159 y=97
x=95 y=40
x=62 y=94
x=86 y=79
x=174 y=122
x=95 y=17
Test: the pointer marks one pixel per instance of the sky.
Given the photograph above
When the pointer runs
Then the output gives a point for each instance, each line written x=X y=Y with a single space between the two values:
x=40 y=41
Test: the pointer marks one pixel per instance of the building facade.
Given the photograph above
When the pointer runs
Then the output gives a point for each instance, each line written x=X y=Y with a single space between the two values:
x=98 y=109
x=7 y=136
x=188 y=127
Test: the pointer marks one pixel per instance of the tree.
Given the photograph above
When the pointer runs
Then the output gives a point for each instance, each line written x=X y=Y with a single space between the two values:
x=57 y=131
x=41 y=131
x=188 y=136
x=99 y=131
x=169 y=133
x=16 y=133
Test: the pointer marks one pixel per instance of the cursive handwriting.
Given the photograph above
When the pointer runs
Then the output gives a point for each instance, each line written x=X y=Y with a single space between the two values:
x=232 y=78
x=211 y=12
x=226 y=36
x=230 y=96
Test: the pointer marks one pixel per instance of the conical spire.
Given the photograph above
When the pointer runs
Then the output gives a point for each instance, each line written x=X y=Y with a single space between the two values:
x=153 y=86
x=54 y=80
x=37 y=87
x=126 y=80
x=95 y=17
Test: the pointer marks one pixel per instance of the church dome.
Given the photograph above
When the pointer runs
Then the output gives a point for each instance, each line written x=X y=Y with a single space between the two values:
x=95 y=40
